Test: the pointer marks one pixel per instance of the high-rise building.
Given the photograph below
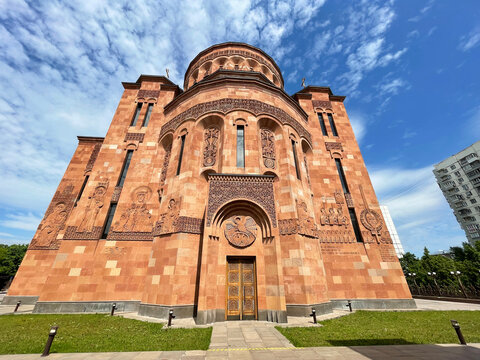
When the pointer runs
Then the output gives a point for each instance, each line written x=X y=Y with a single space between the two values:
x=459 y=179
x=229 y=199
x=392 y=230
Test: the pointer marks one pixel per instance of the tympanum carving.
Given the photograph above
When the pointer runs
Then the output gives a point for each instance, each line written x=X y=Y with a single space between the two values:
x=240 y=231
x=211 y=136
x=268 y=148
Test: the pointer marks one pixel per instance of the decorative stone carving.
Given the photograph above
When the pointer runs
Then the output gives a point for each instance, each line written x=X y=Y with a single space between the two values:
x=306 y=223
x=166 y=159
x=322 y=104
x=268 y=148
x=225 y=188
x=240 y=231
x=306 y=169
x=336 y=236
x=338 y=197
x=288 y=226
x=134 y=137
x=224 y=106
x=211 y=136
x=93 y=157
x=72 y=234
x=349 y=200
x=334 y=148
x=145 y=94
x=54 y=220
x=95 y=203
x=116 y=193
x=228 y=53
x=136 y=217
x=370 y=219
x=189 y=225
x=333 y=216
x=168 y=221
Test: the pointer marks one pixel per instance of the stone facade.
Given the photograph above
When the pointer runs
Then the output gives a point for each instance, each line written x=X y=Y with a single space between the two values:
x=195 y=232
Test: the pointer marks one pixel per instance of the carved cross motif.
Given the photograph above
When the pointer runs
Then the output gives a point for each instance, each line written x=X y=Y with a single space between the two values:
x=211 y=136
x=166 y=159
x=268 y=148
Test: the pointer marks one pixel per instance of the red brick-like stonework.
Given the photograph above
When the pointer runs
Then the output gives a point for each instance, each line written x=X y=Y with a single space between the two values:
x=177 y=225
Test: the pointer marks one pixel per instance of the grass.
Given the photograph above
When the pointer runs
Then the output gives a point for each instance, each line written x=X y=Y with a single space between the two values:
x=21 y=334
x=388 y=328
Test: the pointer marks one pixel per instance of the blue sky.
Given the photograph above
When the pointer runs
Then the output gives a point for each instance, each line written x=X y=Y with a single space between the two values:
x=409 y=70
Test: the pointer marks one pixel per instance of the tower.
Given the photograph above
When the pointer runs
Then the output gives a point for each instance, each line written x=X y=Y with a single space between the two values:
x=229 y=199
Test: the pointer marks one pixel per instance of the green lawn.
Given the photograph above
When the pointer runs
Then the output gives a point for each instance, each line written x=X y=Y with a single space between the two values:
x=388 y=328
x=20 y=334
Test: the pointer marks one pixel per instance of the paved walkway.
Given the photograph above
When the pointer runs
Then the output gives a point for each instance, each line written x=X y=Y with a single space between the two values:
x=423 y=304
x=391 y=352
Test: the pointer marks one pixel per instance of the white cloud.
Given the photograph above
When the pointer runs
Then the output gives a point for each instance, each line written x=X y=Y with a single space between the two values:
x=359 y=125
x=22 y=221
x=420 y=212
x=470 y=40
x=392 y=86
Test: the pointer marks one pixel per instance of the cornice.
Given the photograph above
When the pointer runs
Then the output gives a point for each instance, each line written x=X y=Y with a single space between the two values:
x=235 y=76
x=321 y=89
x=166 y=83
x=93 y=139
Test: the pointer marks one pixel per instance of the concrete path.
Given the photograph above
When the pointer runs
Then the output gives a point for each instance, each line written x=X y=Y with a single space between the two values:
x=423 y=304
x=392 y=352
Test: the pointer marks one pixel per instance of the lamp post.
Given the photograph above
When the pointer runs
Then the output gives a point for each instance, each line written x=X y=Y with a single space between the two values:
x=433 y=274
x=51 y=336
x=457 y=274
x=412 y=275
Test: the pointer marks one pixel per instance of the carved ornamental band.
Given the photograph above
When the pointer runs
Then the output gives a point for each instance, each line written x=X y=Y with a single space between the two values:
x=224 y=106
x=225 y=188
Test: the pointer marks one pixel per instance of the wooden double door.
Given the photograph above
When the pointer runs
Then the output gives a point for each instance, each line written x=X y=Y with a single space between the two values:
x=241 y=301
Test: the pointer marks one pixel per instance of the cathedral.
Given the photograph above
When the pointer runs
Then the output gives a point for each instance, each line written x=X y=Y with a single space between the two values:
x=228 y=199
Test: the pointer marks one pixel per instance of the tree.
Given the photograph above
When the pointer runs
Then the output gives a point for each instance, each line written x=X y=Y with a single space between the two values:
x=10 y=258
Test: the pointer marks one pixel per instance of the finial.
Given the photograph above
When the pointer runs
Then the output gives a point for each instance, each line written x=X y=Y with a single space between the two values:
x=303 y=82
x=167 y=73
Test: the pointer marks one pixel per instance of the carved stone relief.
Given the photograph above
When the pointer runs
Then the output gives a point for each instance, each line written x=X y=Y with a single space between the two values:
x=240 y=231
x=268 y=148
x=95 y=203
x=226 y=105
x=168 y=221
x=224 y=188
x=335 y=148
x=211 y=136
x=136 y=217
x=166 y=159
x=148 y=94
x=336 y=236
x=54 y=220
x=322 y=104
x=333 y=216
x=134 y=137
x=306 y=223
x=370 y=219
x=306 y=169
x=93 y=157
x=288 y=226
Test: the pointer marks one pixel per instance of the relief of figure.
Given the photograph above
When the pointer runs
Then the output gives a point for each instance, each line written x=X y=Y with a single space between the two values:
x=52 y=225
x=306 y=223
x=136 y=217
x=333 y=216
x=324 y=219
x=168 y=221
x=240 y=230
x=95 y=204
x=342 y=219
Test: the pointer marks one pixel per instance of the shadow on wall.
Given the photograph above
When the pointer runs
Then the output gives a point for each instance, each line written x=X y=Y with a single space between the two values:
x=417 y=351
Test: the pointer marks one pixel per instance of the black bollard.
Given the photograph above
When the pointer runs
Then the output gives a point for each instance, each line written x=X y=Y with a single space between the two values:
x=349 y=305
x=114 y=306
x=314 y=316
x=456 y=326
x=170 y=317
x=51 y=336
x=18 y=305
